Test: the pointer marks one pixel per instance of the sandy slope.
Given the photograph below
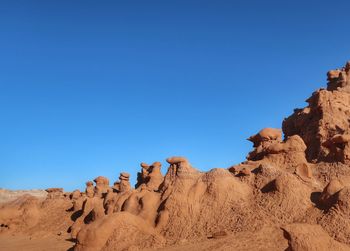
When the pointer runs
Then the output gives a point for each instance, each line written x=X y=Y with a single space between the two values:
x=21 y=242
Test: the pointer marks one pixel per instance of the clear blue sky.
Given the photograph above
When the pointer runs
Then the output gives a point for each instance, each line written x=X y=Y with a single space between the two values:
x=92 y=88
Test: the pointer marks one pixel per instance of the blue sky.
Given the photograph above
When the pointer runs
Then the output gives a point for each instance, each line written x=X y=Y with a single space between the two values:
x=92 y=88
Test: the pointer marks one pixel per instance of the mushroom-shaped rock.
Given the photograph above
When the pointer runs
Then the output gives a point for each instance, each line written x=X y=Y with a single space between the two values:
x=124 y=184
x=102 y=184
x=89 y=189
x=266 y=134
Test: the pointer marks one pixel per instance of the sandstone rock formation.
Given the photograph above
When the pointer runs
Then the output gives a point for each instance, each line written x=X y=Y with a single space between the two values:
x=90 y=190
x=124 y=184
x=328 y=196
x=150 y=176
x=324 y=124
x=290 y=194
x=339 y=79
x=266 y=134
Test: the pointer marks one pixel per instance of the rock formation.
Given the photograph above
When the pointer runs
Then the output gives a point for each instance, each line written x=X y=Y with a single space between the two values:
x=266 y=134
x=150 y=176
x=323 y=124
x=90 y=190
x=339 y=79
x=291 y=193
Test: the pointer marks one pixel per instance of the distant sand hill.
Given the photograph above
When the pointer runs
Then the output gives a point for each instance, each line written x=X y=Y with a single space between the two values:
x=11 y=195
